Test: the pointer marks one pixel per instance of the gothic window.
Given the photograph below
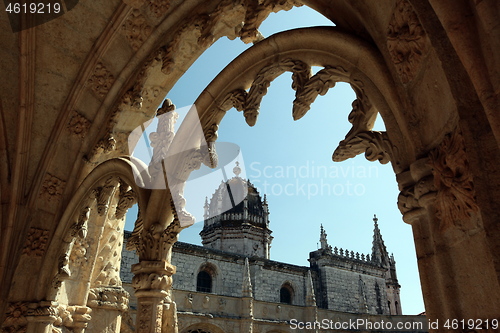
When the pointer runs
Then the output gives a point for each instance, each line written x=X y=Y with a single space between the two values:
x=199 y=330
x=286 y=294
x=204 y=282
x=396 y=306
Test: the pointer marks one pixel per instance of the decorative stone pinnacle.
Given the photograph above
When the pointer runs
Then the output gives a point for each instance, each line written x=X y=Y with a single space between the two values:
x=375 y=219
x=237 y=169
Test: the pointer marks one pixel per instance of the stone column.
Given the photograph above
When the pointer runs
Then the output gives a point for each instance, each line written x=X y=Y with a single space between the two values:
x=456 y=269
x=152 y=283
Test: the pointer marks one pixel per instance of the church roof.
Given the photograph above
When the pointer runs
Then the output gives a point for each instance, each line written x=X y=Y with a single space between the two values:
x=234 y=196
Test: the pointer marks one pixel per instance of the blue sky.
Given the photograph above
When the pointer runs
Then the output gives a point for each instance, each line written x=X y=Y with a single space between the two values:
x=290 y=161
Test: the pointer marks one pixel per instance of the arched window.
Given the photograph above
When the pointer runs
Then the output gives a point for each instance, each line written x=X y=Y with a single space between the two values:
x=204 y=282
x=286 y=294
x=396 y=306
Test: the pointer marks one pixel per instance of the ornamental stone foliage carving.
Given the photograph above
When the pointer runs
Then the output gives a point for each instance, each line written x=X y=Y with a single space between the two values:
x=249 y=102
x=406 y=40
x=101 y=80
x=136 y=29
x=103 y=147
x=36 y=242
x=105 y=193
x=156 y=243
x=15 y=320
x=455 y=201
x=257 y=12
x=52 y=188
x=319 y=84
x=78 y=125
x=126 y=200
x=375 y=145
x=115 y=298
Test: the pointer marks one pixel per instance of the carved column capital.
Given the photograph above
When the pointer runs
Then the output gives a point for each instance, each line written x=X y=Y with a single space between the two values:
x=152 y=276
x=417 y=190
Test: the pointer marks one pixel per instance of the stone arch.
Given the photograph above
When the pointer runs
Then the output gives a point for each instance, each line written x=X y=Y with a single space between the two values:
x=86 y=250
x=203 y=328
x=287 y=293
x=343 y=57
x=213 y=271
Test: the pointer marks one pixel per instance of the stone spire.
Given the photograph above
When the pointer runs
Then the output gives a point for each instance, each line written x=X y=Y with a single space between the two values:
x=246 y=289
x=310 y=297
x=323 y=240
x=379 y=251
x=206 y=210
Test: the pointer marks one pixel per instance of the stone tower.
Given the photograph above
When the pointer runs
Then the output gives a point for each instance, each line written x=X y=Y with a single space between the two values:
x=237 y=219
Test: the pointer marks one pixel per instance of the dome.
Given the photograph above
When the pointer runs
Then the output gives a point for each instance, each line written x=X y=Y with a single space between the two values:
x=229 y=198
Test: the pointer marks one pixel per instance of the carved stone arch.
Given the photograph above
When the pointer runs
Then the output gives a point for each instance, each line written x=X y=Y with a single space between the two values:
x=344 y=58
x=77 y=240
x=203 y=328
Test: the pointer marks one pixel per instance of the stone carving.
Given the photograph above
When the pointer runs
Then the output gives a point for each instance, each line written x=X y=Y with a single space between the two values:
x=107 y=266
x=74 y=317
x=78 y=256
x=101 y=80
x=257 y=12
x=209 y=22
x=126 y=200
x=115 y=298
x=135 y=238
x=319 y=84
x=78 y=125
x=189 y=301
x=143 y=322
x=163 y=137
x=103 y=147
x=375 y=145
x=52 y=187
x=406 y=40
x=105 y=193
x=36 y=242
x=249 y=102
x=136 y=29
x=158 y=7
x=15 y=320
x=80 y=227
x=206 y=302
x=156 y=243
x=301 y=73
x=455 y=201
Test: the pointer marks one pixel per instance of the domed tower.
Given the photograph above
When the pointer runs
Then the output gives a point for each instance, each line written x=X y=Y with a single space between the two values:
x=237 y=219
